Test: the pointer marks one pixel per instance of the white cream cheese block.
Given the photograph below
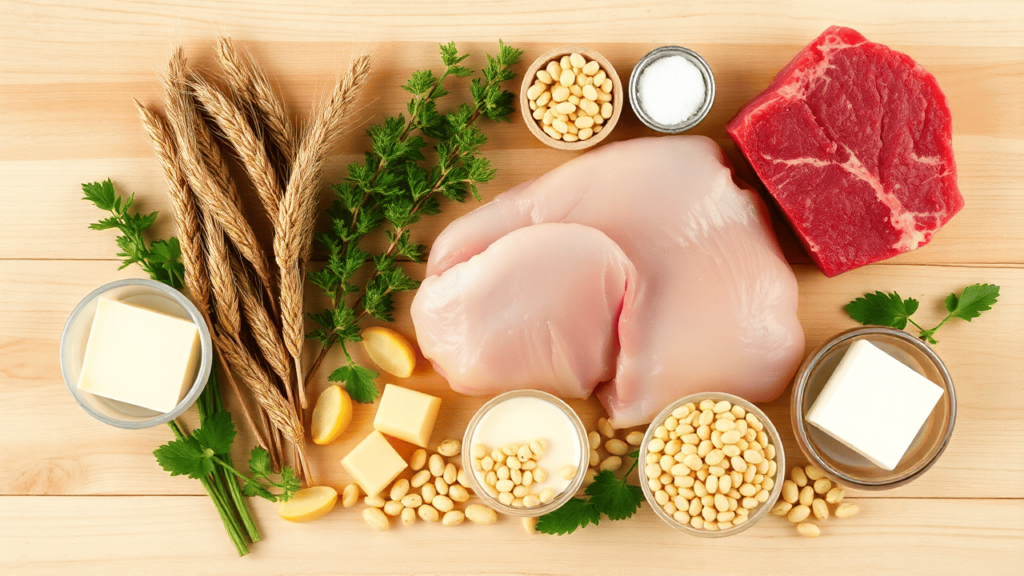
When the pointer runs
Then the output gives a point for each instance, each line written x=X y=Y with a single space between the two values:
x=139 y=356
x=874 y=404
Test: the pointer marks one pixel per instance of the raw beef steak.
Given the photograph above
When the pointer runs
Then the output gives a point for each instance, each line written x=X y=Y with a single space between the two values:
x=854 y=142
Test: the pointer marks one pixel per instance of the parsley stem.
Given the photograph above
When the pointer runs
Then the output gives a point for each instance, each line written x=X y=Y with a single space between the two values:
x=921 y=328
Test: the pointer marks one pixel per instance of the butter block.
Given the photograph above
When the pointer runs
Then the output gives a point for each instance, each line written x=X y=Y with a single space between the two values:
x=407 y=414
x=874 y=404
x=374 y=463
x=139 y=356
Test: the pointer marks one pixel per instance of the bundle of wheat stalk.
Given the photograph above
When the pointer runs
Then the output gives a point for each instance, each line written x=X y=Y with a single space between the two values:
x=226 y=270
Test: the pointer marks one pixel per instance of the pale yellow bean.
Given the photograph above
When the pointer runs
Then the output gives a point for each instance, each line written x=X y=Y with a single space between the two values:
x=808 y=529
x=613 y=446
x=798 y=514
x=376 y=518
x=835 y=495
x=591 y=68
x=585 y=133
x=594 y=438
x=553 y=69
x=568 y=78
x=798 y=476
x=544 y=76
x=418 y=459
x=393 y=508
x=781 y=508
x=479 y=514
x=846 y=510
x=428 y=513
x=568 y=472
x=375 y=501
x=611 y=463
x=812 y=472
x=822 y=485
x=544 y=98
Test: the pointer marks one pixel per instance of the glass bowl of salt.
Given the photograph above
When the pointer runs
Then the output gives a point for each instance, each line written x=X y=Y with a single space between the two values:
x=671 y=89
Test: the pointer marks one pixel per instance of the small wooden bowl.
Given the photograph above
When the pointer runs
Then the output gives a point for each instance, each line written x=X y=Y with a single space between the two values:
x=530 y=77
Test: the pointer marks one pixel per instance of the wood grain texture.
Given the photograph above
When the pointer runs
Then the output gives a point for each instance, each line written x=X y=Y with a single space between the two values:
x=79 y=497
x=81 y=535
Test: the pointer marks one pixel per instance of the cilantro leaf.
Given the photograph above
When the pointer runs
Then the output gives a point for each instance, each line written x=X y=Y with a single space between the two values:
x=359 y=382
x=289 y=484
x=184 y=457
x=883 y=309
x=574 y=514
x=614 y=497
x=217 y=433
x=972 y=301
x=259 y=462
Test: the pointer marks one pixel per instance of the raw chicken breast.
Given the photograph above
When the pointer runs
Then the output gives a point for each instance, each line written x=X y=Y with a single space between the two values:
x=714 y=306
x=538 y=309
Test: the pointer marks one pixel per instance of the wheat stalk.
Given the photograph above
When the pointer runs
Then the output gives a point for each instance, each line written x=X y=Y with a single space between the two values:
x=183 y=206
x=206 y=171
x=190 y=235
x=246 y=142
x=293 y=230
x=269 y=397
x=250 y=83
x=264 y=331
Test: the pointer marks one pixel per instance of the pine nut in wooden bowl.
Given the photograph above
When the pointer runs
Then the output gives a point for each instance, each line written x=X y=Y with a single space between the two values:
x=589 y=86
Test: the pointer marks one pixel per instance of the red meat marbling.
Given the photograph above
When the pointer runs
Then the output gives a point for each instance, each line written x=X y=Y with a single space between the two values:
x=854 y=141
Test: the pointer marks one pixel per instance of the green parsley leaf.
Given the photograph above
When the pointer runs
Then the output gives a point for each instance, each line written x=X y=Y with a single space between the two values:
x=184 y=457
x=973 y=301
x=574 y=514
x=883 y=309
x=161 y=260
x=359 y=382
x=217 y=433
x=259 y=462
x=614 y=497
x=891 y=310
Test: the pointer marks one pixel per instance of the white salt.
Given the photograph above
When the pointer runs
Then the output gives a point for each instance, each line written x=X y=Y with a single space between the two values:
x=671 y=90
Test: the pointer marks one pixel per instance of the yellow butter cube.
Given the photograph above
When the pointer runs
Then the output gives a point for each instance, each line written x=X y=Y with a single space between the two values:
x=374 y=463
x=138 y=356
x=407 y=414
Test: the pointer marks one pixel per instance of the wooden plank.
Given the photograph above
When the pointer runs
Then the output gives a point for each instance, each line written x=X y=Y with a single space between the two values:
x=100 y=535
x=915 y=22
x=68 y=453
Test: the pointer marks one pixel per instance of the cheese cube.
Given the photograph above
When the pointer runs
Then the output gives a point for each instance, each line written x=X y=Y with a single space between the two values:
x=874 y=404
x=139 y=356
x=374 y=463
x=407 y=414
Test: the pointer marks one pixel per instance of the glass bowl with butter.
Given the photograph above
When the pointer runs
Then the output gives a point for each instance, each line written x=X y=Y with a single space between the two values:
x=747 y=485
x=873 y=408
x=135 y=353
x=525 y=452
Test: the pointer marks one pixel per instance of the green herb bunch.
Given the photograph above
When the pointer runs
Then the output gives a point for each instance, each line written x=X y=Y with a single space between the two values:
x=161 y=259
x=206 y=453
x=894 y=311
x=395 y=186
x=607 y=495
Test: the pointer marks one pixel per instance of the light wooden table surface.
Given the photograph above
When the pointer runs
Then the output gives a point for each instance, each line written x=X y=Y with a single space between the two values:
x=77 y=497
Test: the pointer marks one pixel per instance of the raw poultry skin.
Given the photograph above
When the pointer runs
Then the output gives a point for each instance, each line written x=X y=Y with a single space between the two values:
x=714 y=305
x=537 y=309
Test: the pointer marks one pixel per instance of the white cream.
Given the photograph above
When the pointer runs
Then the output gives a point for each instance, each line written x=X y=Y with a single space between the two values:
x=522 y=420
x=874 y=404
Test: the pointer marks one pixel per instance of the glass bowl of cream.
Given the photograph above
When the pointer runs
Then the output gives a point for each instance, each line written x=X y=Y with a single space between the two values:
x=531 y=421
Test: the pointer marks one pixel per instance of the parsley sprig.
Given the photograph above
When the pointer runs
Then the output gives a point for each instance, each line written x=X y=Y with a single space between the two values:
x=161 y=259
x=395 y=186
x=890 y=309
x=607 y=495
x=198 y=456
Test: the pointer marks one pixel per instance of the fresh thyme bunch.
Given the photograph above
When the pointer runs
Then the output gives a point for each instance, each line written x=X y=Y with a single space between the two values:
x=395 y=186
